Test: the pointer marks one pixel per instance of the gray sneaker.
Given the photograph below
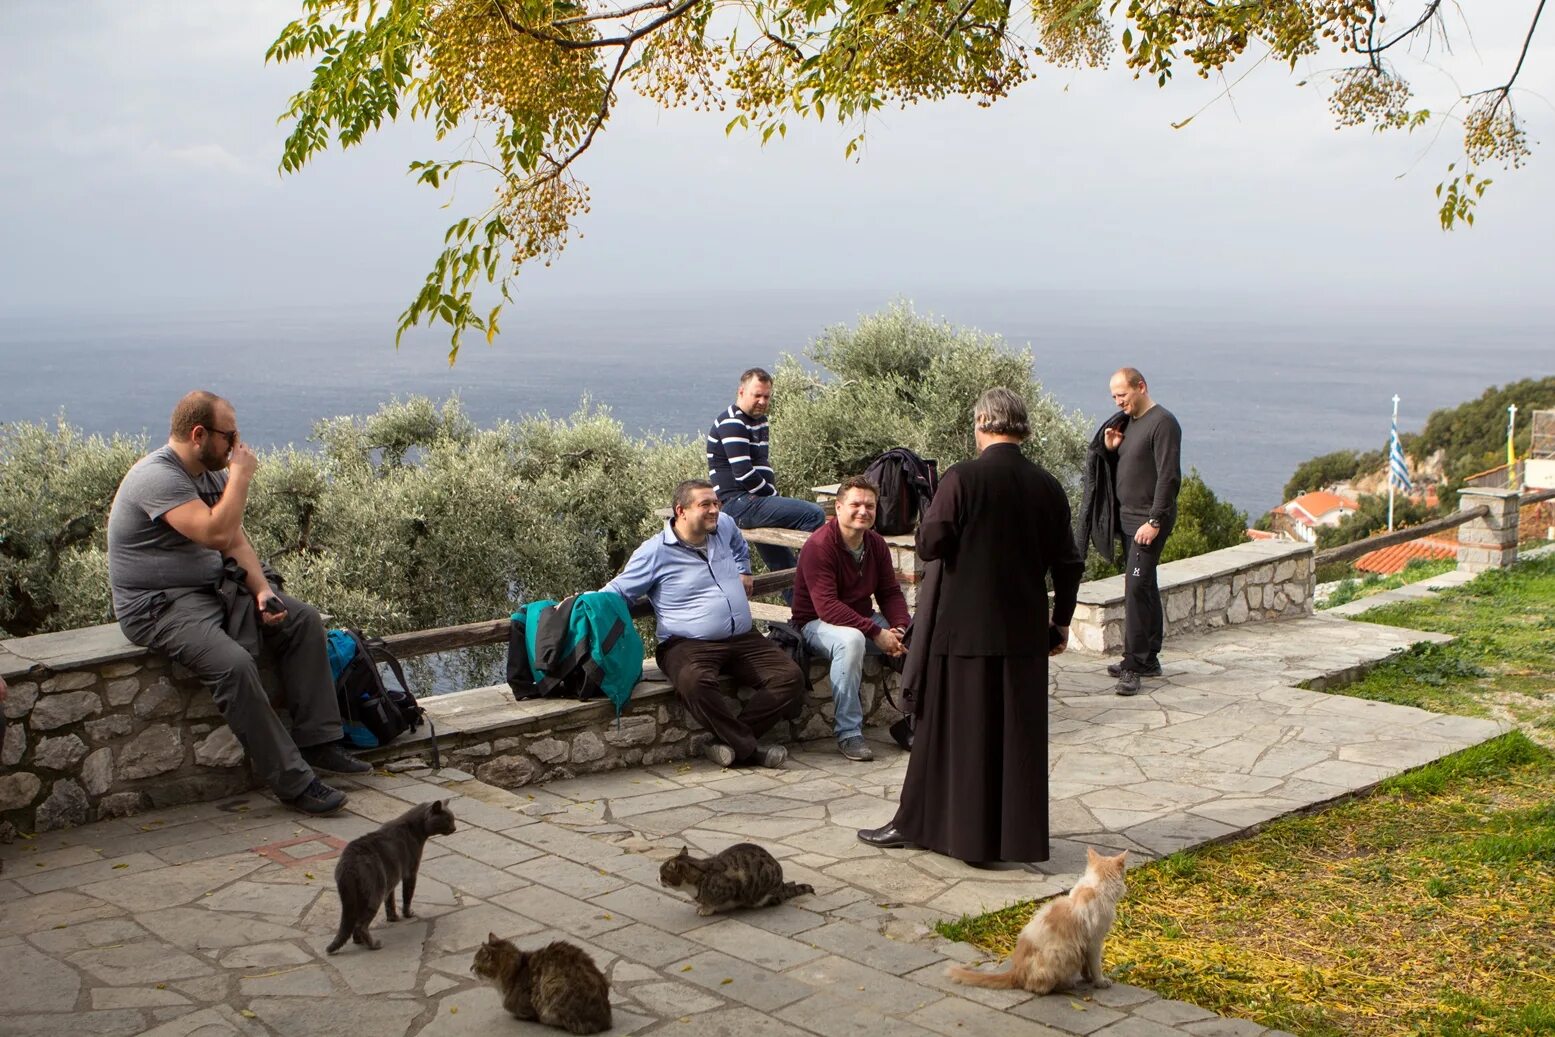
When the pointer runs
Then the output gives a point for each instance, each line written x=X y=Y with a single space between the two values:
x=770 y=755
x=719 y=753
x=855 y=748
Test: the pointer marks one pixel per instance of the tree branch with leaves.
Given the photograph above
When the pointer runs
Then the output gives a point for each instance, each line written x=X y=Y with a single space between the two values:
x=529 y=84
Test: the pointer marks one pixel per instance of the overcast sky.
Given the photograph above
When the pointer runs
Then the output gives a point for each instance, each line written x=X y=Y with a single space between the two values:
x=138 y=170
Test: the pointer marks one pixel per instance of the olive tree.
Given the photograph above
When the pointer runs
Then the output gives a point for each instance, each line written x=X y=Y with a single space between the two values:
x=526 y=86
x=902 y=379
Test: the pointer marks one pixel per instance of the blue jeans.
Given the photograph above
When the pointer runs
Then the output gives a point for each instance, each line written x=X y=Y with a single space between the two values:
x=846 y=648
x=783 y=512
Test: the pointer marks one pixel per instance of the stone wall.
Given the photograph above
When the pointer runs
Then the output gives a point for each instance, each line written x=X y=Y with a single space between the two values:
x=99 y=728
x=509 y=744
x=1249 y=583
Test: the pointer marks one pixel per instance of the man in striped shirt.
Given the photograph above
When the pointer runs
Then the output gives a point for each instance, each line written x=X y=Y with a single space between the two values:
x=739 y=470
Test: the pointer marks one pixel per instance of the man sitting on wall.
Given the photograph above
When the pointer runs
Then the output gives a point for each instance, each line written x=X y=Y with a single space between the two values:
x=696 y=572
x=843 y=565
x=739 y=469
x=175 y=525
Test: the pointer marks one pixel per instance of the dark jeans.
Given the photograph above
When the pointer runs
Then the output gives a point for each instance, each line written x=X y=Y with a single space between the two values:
x=694 y=667
x=191 y=630
x=1144 y=623
x=782 y=512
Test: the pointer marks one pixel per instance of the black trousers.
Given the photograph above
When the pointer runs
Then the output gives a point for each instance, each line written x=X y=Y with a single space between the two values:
x=1144 y=621
x=191 y=630
x=694 y=668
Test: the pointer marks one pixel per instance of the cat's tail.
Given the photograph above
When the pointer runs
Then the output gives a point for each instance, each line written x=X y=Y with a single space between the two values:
x=794 y=889
x=1005 y=980
x=348 y=914
x=343 y=935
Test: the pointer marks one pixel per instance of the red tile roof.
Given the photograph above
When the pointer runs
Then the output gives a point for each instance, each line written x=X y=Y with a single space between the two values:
x=1316 y=504
x=1390 y=560
x=1261 y=534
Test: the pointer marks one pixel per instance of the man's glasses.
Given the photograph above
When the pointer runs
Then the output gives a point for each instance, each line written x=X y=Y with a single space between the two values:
x=232 y=437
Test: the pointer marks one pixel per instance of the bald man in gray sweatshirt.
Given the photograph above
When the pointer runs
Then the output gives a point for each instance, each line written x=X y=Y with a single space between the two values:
x=1149 y=474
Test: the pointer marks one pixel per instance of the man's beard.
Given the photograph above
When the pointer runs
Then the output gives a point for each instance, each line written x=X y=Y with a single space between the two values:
x=212 y=460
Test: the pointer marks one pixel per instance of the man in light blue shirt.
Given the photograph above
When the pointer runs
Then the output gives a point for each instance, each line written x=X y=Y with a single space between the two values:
x=696 y=572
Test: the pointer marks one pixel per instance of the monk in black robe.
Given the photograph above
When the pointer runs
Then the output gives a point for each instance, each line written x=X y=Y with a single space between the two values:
x=976 y=786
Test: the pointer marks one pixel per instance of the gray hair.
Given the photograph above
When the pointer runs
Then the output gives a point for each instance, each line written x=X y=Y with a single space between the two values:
x=1001 y=412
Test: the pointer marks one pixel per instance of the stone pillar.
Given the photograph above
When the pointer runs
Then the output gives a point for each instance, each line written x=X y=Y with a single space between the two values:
x=1489 y=542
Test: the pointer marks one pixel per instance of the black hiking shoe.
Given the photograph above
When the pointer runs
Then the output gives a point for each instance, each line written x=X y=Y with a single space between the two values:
x=1128 y=684
x=318 y=798
x=1117 y=669
x=330 y=757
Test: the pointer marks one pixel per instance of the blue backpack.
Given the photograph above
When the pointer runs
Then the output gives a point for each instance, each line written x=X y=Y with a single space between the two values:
x=372 y=713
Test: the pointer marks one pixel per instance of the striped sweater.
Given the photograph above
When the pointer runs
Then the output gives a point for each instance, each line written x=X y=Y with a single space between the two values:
x=737 y=455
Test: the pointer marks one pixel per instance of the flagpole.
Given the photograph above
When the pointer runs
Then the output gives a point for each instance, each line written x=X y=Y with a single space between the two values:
x=1391 y=480
x=1511 y=451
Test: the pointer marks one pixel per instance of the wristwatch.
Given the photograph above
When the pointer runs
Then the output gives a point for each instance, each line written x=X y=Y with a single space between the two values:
x=1153 y=523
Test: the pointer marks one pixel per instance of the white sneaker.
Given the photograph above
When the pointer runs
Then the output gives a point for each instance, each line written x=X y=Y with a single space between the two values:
x=719 y=753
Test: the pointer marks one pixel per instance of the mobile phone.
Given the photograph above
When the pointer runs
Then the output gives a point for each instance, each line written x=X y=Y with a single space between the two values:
x=273 y=605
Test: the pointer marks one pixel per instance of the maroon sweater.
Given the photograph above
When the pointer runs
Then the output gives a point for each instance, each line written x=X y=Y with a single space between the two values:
x=830 y=585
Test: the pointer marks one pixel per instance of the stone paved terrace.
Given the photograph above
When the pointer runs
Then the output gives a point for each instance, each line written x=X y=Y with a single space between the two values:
x=211 y=919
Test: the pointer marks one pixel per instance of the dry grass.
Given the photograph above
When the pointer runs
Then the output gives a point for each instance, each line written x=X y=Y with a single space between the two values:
x=1422 y=909
x=1427 y=907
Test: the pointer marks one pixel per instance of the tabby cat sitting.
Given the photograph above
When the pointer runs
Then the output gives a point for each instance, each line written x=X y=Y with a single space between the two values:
x=744 y=875
x=372 y=865
x=558 y=985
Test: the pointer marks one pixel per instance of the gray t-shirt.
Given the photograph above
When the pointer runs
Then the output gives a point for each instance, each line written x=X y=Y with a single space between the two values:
x=145 y=554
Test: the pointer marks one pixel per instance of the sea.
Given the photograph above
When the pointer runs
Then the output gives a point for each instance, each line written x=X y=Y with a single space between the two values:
x=1258 y=385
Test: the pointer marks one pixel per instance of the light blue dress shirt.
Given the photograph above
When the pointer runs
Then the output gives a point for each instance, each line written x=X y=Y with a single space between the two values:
x=696 y=592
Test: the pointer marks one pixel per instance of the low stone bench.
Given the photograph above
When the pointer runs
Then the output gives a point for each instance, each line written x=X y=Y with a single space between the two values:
x=99 y=727
x=1252 y=582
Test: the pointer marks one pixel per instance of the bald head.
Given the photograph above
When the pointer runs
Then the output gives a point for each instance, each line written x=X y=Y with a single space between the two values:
x=1130 y=392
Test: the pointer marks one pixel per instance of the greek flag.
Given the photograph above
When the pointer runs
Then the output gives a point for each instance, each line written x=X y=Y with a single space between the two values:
x=1398 y=468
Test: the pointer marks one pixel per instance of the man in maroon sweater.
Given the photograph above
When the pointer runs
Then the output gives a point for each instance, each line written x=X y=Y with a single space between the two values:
x=843 y=565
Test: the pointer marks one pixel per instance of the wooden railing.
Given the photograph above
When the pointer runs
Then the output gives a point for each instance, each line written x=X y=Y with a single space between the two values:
x=1347 y=552
x=495 y=631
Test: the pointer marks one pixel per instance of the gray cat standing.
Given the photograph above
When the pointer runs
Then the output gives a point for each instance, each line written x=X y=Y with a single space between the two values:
x=558 y=985
x=744 y=875
x=372 y=865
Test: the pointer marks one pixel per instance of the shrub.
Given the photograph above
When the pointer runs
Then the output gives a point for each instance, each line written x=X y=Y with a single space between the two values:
x=56 y=484
x=407 y=518
x=900 y=379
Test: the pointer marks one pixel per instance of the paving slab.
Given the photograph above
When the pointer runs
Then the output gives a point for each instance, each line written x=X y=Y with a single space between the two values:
x=202 y=919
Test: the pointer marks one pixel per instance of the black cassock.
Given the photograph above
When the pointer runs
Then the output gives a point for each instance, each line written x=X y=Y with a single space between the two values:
x=976 y=786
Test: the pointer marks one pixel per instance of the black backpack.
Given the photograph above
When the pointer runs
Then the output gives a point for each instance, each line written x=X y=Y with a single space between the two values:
x=386 y=711
x=907 y=483
x=789 y=638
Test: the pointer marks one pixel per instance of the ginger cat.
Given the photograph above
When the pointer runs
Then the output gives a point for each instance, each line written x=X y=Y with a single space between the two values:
x=1064 y=937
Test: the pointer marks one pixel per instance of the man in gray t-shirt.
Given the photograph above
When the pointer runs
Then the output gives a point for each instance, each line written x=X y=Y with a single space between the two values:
x=146 y=555
x=176 y=522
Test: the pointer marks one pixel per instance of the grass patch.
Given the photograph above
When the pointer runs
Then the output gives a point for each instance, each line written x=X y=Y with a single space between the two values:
x=1423 y=908
x=1363 y=585
x=1501 y=663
